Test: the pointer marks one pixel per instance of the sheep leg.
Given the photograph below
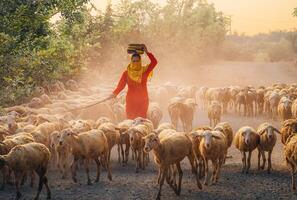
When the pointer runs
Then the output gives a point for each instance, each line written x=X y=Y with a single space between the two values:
x=87 y=171
x=119 y=153
x=42 y=180
x=249 y=162
x=206 y=171
x=137 y=161
x=98 y=169
x=123 y=154
x=243 y=162
x=108 y=167
x=163 y=175
x=32 y=178
x=264 y=160
x=292 y=175
x=215 y=168
x=269 y=162
x=259 y=159
x=194 y=170
x=18 y=177
x=73 y=169
x=127 y=150
x=4 y=175
x=180 y=176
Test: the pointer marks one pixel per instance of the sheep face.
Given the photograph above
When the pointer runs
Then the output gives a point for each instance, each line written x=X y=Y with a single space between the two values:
x=55 y=138
x=247 y=136
x=270 y=132
x=123 y=134
x=66 y=135
x=151 y=142
x=208 y=138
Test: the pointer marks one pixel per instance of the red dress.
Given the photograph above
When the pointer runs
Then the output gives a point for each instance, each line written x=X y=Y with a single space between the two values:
x=137 y=96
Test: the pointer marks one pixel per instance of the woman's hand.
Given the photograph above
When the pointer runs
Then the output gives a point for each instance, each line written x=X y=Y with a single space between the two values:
x=111 y=96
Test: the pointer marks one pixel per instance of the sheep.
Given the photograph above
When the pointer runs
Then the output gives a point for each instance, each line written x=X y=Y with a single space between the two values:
x=45 y=99
x=294 y=109
x=35 y=103
x=288 y=128
x=214 y=113
x=171 y=151
x=267 y=142
x=187 y=111
x=3 y=133
x=155 y=114
x=71 y=85
x=239 y=101
x=113 y=137
x=124 y=138
x=290 y=151
x=100 y=121
x=119 y=111
x=246 y=140
x=28 y=157
x=81 y=125
x=136 y=134
x=284 y=109
x=85 y=146
x=174 y=110
x=148 y=123
x=213 y=146
x=60 y=153
x=199 y=163
x=164 y=126
x=225 y=128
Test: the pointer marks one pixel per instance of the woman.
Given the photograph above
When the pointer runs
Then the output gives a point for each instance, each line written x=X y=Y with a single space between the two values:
x=136 y=78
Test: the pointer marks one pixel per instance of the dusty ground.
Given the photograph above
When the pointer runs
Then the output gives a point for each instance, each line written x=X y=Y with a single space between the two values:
x=232 y=184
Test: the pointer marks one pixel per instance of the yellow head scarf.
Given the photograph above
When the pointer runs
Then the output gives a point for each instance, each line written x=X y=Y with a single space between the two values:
x=135 y=71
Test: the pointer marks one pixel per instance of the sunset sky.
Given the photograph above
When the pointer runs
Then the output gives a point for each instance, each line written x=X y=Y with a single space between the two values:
x=249 y=16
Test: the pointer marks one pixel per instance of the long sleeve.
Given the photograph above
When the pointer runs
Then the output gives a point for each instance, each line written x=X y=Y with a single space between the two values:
x=122 y=83
x=152 y=65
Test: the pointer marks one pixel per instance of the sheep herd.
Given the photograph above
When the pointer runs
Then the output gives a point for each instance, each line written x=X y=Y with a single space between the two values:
x=52 y=132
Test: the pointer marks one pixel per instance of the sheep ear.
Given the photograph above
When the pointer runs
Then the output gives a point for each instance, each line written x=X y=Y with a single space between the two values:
x=117 y=128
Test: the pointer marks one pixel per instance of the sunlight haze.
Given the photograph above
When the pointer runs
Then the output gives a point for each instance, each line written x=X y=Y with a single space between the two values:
x=249 y=16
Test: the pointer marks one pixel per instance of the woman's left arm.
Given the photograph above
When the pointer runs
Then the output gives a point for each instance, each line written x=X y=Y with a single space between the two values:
x=153 y=63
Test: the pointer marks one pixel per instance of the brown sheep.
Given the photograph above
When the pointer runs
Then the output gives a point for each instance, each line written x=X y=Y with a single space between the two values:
x=154 y=114
x=85 y=146
x=124 y=138
x=284 y=109
x=24 y=158
x=246 y=140
x=187 y=111
x=267 y=141
x=290 y=151
x=171 y=151
x=214 y=113
x=288 y=128
x=113 y=137
x=136 y=134
x=213 y=146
